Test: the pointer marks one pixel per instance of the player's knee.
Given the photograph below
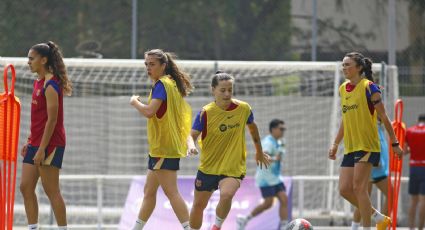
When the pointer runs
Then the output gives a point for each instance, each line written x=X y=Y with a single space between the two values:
x=267 y=204
x=226 y=196
x=26 y=190
x=149 y=192
x=345 y=191
x=359 y=190
x=52 y=192
x=198 y=206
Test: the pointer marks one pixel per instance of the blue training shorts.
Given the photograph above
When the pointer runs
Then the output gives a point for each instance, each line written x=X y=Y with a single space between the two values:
x=53 y=155
x=417 y=180
x=269 y=191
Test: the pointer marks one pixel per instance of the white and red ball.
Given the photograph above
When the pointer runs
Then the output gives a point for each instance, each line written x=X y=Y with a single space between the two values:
x=299 y=224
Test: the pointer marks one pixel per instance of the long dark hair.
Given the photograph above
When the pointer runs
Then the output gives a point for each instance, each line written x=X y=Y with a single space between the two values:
x=181 y=78
x=364 y=62
x=55 y=63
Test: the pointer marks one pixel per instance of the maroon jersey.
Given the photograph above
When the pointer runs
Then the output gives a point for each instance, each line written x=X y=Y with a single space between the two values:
x=39 y=114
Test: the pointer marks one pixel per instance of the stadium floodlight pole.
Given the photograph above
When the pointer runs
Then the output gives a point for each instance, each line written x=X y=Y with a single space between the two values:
x=134 y=30
x=391 y=33
x=314 y=32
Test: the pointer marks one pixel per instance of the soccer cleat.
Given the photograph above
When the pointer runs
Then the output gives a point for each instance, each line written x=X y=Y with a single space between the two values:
x=384 y=223
x=241 y=222
x=215 y=227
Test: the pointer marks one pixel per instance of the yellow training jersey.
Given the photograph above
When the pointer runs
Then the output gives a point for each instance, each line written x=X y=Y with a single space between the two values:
x=167 y=135
x=360 y=126
x=223 y=149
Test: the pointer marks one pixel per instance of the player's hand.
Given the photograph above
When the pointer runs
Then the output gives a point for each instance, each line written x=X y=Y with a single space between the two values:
x=38 y=157
x=134 y=99
x=398 y=151
x=191 y=151
x=24 y=150
x=262 y=158
x=332 y=152
x=278 y=157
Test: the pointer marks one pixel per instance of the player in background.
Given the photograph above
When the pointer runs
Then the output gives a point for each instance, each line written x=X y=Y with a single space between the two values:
x=268 y=180
x=378 y=178
x=415 y=145
x=361 y=104
x=43 y=152
x=221 y=125
x=169 y=118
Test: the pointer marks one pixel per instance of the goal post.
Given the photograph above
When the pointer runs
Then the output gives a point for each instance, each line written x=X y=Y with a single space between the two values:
x=106 y=136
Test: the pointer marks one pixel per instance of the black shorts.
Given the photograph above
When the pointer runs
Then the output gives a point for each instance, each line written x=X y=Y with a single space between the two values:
x=360 y=156
x=417 y=180
x=209 y=182
x=156 y=163
x=270 y=191
x=53 y=155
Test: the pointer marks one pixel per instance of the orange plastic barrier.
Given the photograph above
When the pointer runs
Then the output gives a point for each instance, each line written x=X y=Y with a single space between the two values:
x=396 y=164
x=10 y=113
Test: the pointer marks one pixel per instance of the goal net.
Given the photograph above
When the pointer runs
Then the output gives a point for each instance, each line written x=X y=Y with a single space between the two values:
x=106 y=136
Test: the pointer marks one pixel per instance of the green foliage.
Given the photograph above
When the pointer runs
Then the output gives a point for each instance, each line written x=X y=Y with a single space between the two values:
x=286 y=85
x=194 y=29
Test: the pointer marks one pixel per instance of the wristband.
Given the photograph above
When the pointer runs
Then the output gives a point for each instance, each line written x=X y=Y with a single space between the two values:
x=395 y=144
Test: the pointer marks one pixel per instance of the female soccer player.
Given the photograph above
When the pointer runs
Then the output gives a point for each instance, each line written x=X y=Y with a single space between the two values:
x=44 y=150
x=223 y=149
x=361 y=104
x=169 y=118
x=378 y=177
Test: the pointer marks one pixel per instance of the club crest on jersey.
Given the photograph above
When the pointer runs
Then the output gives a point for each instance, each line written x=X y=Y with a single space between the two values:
x=198 y=183
x=223 y=127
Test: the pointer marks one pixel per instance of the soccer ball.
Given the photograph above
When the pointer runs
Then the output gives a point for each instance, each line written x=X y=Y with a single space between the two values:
x=299 y=224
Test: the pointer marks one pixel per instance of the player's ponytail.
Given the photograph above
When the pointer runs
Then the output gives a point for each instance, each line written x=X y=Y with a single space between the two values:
x=367 y=69
x=55 y=64
x=181 y=78
x=365 y=63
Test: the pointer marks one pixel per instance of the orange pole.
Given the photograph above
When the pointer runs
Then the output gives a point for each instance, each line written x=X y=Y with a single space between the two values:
x=9 y=137
x=395 y=164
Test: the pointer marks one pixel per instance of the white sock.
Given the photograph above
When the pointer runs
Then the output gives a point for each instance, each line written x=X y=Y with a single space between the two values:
x=218 y=221
x=283 y=223
x=355 y=225
x=377 y=216
x=139 y=224
x=62 y=227
x=185 y=225
x=249 y=217
x=33 y=227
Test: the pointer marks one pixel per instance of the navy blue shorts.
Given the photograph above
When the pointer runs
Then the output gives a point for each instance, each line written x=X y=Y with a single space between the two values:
x=360 y=156
x=53 y=156
x=209 y=182
x=155 y=163
x=417 y=180
x=376 y=180
x=269 y=191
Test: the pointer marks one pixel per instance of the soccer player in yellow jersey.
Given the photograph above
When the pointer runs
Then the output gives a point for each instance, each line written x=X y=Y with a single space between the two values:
x=169 y=118
x=361 y=104
x=221 y=125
